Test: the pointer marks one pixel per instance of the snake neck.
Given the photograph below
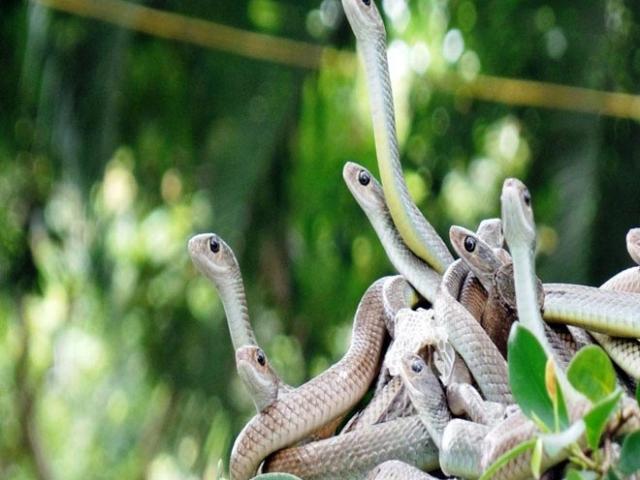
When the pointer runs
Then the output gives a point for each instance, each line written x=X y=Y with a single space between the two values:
x=321 y=399
x=400 y=204
x=234 y=301
x=526 y=294
x=525 y=281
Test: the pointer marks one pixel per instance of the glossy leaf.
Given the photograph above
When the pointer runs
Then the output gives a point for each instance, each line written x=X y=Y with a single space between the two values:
x=536 y=459
x=592 y=373
x=596 y=419
x=527 y=363
x=630 y=454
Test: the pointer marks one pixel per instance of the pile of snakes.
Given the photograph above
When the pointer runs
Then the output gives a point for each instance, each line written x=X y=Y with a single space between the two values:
x=441 y=399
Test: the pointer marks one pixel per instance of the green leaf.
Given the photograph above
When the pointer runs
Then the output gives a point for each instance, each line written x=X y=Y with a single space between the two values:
x=638 y=393
x=596 y=419
x=554 y=443
x=630 y=454
x=592 y=373
x=527 y=363
x=612 y=475
x=536 y=459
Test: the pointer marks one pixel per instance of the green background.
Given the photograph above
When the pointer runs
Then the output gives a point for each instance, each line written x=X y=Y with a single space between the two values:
x=117 y=146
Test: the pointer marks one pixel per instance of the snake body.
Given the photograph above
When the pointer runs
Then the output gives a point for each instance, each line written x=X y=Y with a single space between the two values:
x=484 y=360
x=415 y=230
x=345 y=457
x=352 y=455
x=321 y=399
x=215 y=260
x=633 y=244
x=604 y=311
x=397 y=294
x=427 y=395
x=464 y=399
x=624 y=352
x=388 y=403
x=371 y=198
x=397 y=470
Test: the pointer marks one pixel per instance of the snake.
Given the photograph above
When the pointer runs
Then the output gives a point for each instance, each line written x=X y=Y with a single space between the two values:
x=352 y=455
x=497 y=315
x=418 y=234
x=473 y=295
x=387 y=403
x=321 y=399
x=464 y=400
x=623 y=351
x=611 y=312
x=518 y=228
x=397 y=293
x=216 y=261
x=481 y=356
x=519 y=231
x=426 y=394
x=484 y=360
x=263 y=383
x=633 y=244
x=594 y=309
x=369 y=194
x=345 y=457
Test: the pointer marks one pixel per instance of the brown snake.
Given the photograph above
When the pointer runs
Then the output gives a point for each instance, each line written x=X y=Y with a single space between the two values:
x=321 y=399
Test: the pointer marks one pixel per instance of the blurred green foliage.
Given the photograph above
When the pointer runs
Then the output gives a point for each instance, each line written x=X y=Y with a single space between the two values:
x=115 y=147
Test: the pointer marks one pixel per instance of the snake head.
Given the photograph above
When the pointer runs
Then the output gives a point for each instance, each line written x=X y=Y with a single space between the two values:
x=490 y=230
x=480 y=257
x=364 y=18
x=418 y=377
x=364 y=187
x=212 y=256
x=633 y=244
x=517 y=214
x=258 y=376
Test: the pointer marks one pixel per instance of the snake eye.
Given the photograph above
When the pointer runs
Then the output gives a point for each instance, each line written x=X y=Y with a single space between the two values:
x=526 y=196
x=366 y=2
x=214 y=245
x=469 y=244
x=417 y=366
x=260 y=358
x=364 y=178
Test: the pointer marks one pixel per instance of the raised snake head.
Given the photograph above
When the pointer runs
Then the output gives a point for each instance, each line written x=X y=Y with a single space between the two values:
x=633 y=244
x=364 y=18
x=517 y=215
x=258 y=376
x=365 y=188
x=213 y=257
